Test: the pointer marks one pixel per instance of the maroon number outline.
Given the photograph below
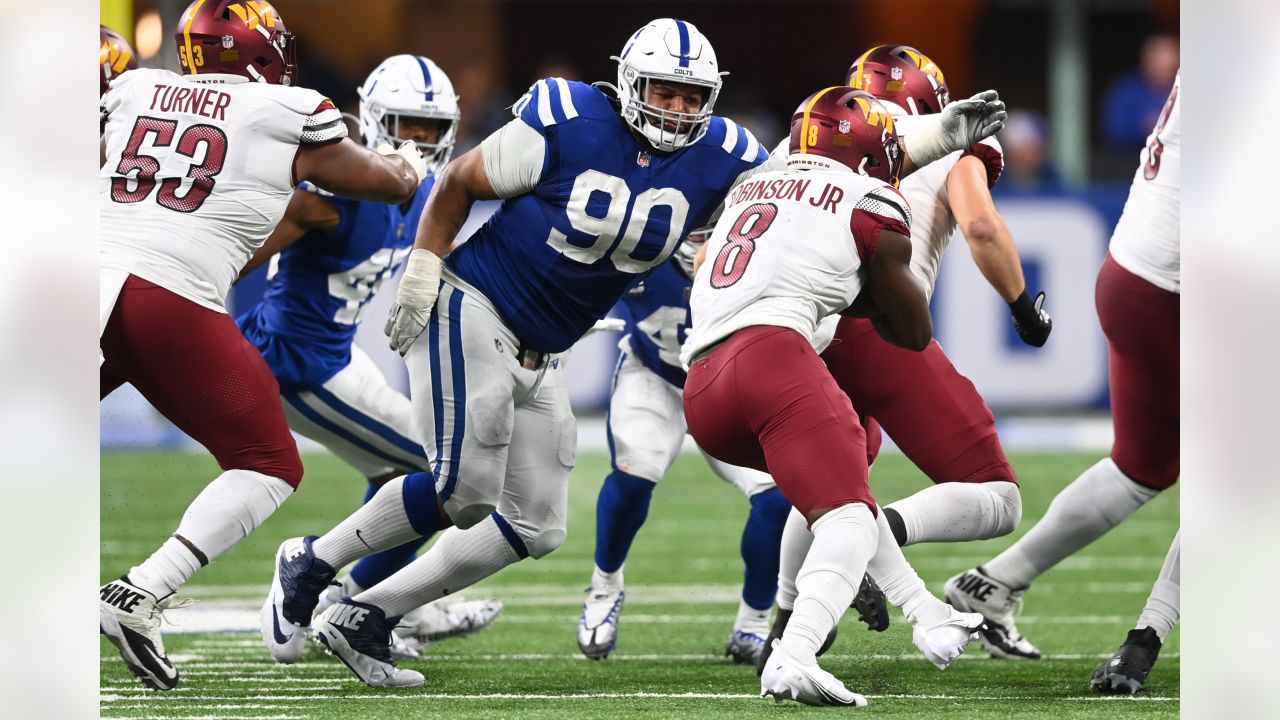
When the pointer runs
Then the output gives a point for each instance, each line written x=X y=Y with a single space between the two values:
x=761 y=216
x=147 y=166
x=1156 y=148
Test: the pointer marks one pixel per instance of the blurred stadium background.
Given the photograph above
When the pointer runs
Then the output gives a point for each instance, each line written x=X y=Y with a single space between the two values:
x=1084 y=80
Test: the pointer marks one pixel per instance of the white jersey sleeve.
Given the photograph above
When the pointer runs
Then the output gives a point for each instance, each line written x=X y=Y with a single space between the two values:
x=934 y=224
x=1147 y=241
x=789 y=252
x=198 y=174
x=514 y=156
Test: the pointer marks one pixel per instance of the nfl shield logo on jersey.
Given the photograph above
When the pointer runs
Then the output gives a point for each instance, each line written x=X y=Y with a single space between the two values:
x=642 y=159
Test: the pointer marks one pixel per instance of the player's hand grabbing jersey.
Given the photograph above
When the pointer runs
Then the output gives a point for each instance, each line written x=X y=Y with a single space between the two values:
x=788 y=251
x=588 y=207
x=198 y=173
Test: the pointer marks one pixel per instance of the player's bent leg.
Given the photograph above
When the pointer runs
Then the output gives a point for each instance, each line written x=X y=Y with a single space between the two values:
x=956 y=512
x=216 y=388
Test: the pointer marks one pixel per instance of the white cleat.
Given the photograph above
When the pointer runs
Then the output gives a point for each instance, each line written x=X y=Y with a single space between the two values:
x=745 y=645
x=445 y=618
x=300 y=578
x=130 y=618
x=943 y=642
x=598 y=625
x=359 y=635
x=784 y=678
x=975 y=591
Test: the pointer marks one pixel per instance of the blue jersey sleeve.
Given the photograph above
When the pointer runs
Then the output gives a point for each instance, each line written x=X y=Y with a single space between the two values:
x=737 y=141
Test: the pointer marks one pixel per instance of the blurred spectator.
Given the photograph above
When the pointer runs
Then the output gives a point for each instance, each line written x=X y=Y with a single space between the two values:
x=1134 y=100
x=1027 y=167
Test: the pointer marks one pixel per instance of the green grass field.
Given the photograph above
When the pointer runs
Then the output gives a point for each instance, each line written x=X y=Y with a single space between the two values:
x=682 y=583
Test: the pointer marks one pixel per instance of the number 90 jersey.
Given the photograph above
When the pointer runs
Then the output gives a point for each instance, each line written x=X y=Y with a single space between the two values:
x=788 y=251
x=591 y=211
x=198 y=173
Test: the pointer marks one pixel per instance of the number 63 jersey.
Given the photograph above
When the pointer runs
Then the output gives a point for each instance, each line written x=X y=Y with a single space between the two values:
x=789 y=251
x=198 y=173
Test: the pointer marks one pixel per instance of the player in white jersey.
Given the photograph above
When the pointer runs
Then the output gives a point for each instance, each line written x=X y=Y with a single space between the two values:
x=934 y=414
x=1138 y=295
x=791 y=248
x=199 y=168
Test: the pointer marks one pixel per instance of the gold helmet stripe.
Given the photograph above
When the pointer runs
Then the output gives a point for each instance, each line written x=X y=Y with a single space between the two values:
x=186 y=36
x=804 y=122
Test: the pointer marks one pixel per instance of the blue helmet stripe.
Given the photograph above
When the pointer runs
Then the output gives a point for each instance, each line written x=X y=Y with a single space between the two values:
x=426 y=76
x=684 y=43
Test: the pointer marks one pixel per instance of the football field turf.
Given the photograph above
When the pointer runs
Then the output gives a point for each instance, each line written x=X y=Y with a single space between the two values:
x=683 y=580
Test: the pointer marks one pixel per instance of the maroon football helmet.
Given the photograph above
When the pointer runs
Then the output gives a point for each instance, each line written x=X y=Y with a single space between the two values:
x=115 y=55
x=850 y=127
x=239 y=38
x=902 y=75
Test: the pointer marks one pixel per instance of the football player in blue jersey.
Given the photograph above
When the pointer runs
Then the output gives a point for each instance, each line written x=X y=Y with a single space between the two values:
x=646 y=429
x=600 y=184
x=332 y=254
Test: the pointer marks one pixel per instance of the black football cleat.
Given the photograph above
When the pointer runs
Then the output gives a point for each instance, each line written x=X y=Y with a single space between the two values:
x=1127 y=670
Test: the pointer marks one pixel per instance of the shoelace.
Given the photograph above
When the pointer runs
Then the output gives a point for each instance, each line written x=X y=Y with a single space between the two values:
x=171 y=603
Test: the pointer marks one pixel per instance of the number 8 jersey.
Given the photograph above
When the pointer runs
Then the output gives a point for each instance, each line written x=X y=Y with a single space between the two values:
x=789 y=251
x=198 y=173
x=588 y=208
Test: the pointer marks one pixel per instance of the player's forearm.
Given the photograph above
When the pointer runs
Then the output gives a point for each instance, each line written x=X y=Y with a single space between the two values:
x=444 y=215
x=383 y=178
x=996 y=256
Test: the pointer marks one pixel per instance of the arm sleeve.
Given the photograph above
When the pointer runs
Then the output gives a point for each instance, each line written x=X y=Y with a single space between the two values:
x=323 y=125
x=514 y=157
x=881 y=209
x=991 y=155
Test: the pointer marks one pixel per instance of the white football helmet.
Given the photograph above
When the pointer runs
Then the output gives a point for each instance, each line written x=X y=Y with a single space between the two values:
x=688 y=249
x=673 y=51
x=409 y=86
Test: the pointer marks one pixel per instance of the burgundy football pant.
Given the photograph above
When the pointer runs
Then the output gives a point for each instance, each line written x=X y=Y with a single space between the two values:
x=764 y=399
x=193 y=365
x=933 y=413
x=1141 y=324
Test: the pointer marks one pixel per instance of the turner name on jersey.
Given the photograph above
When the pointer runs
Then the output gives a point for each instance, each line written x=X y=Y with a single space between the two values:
x=197 y=173
x=603 y=208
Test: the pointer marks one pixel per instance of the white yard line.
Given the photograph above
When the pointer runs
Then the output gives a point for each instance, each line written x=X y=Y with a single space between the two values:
x=155 y=698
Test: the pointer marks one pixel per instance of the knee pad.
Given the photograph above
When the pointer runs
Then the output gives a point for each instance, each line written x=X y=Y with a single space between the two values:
x=466 y=516
x=528 y=540
x=1008 y=507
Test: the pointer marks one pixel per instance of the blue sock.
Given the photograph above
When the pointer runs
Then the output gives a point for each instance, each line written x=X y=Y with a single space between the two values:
x=620 y=511
x=762 y=546
x=420 y=504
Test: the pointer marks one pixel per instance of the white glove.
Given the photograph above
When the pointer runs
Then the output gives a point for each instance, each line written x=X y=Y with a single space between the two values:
x=415 y=298
x=409 y=151
x=959 y=125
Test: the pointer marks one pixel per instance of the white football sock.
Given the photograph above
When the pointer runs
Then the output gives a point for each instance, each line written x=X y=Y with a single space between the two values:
x=458 y=560
x=751 y=619
x=902 y=587
x=228 y=509
x=1161 y=612
x=796 y=540
x=606 y=581
x=378 y=525
x=1084 y=511
x=844 y=540
x=955 y=512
